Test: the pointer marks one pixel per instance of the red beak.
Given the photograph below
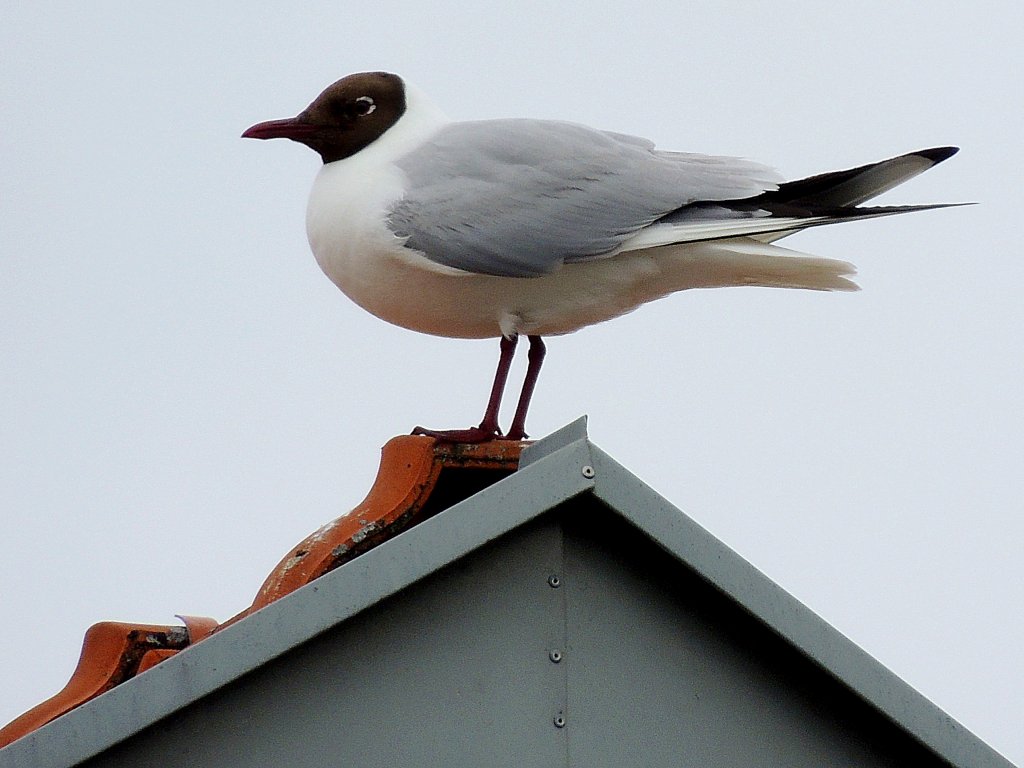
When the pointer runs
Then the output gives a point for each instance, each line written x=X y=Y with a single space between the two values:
x=290 y=128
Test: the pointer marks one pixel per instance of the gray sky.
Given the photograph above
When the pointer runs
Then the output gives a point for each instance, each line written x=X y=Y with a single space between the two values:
x=184 y=395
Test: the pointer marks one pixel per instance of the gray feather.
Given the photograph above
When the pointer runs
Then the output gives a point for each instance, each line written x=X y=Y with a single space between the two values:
x=521 y=197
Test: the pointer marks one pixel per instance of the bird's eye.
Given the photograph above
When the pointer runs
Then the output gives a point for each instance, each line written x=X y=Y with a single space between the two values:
x=364 y=105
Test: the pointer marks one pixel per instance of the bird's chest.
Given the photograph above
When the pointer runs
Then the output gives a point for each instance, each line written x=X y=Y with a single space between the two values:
x=346 y=217
x=346 y=223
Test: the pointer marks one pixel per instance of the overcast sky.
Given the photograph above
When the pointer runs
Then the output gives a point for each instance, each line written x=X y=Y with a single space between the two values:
x=184 y=396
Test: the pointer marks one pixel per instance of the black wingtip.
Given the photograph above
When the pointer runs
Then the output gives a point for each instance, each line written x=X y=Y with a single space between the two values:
x=937 y=154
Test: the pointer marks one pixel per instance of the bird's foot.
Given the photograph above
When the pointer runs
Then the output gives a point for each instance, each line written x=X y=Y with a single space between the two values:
x=479 y=434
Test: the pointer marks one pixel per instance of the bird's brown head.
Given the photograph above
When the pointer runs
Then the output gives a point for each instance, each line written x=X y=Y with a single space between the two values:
x=348 y=116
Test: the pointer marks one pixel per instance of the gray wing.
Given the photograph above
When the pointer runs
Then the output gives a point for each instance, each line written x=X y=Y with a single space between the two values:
x=521 y=197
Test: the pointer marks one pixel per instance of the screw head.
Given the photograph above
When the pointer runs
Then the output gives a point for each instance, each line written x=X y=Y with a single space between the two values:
x=554 y=582
x=587 y=471
x=555 y=655
x=559 y=720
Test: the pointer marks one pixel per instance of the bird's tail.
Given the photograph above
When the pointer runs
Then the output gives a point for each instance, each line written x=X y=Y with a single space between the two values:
x=828 y=198
x=842 y=189
x=729 y=243
x=746 y=261
x=835 y=196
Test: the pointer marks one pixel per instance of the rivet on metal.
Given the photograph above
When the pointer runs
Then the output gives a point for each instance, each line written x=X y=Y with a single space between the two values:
x=560 y=720
x=588 y=471
x=555 y=656
x=554 y=581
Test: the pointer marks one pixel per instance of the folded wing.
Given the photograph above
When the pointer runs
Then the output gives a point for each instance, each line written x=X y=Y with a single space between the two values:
x=521 y=197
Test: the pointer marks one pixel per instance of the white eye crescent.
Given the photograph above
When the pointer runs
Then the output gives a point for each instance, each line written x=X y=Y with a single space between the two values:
x=365 y=105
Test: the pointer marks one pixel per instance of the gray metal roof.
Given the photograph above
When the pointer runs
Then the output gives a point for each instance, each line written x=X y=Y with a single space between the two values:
x=560 y=468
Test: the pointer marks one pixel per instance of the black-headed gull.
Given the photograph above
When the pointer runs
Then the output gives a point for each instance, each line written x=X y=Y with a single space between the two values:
x=497 y=228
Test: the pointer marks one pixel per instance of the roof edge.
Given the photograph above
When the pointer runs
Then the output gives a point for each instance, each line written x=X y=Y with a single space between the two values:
x=552 y=472
x=112 y=652
x=847 y=662
x=259 y=637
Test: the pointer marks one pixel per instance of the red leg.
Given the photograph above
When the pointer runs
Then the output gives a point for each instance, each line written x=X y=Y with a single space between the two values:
x=508 y=350
x=488 y=429
x=535 y=357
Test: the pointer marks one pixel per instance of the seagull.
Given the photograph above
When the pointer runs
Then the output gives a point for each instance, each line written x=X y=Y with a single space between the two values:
x=522 y=227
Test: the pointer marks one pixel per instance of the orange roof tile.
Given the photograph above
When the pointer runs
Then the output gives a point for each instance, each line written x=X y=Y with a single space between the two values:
x=418 y=477
x=112 y=652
